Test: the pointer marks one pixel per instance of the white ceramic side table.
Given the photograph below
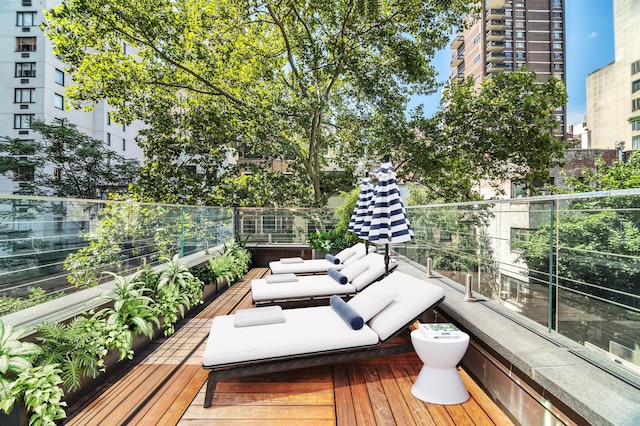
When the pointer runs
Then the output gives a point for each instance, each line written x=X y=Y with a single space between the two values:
x=439 y=381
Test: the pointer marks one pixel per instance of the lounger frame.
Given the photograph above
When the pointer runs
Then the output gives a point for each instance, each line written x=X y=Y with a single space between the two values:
x=292 y=362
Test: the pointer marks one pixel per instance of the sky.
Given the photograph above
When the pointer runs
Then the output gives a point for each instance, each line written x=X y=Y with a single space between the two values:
x=589 y=46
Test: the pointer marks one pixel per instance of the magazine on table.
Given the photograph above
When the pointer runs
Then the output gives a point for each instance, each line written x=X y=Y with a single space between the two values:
x=440 y=331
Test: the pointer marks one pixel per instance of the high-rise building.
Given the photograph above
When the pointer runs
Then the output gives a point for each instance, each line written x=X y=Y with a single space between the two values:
x=33 y=82
x=508 y=35
x=613 y=91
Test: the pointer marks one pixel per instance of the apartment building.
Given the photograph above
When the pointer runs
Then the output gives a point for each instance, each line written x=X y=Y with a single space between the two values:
x=33 y=82
x=508 y=35
x=613 y=91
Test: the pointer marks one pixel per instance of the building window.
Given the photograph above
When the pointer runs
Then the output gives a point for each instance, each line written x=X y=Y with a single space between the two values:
x=124 y=127
x=476 y=59
x=26 y=19
x=520 y=34
x=635 y=142
x=508 y=54
x=635 y=67
x=557 y=55
x=24 y=173
x=519 y=14
x=58 y=101
x=508 y=44
x=108 y=119
x=557 y=66
x=557 y=3
x=476 y=39
x=520 y=44
x=557 y=14
x=557 y=35
x=25 y=69
x=59 y=77
x=519 y=4
x=124 y=144
x=108 y=139
x=25 y=44
x=557 y=45
x=26 y=2
x=519 y=24
x=635 y=125
x=57 y=173
x=22 y=121
x=557 y=25
x=24 y=96
x=520 y=54
x=635 y=104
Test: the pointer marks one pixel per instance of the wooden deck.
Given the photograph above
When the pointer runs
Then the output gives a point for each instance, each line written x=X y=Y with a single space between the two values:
x=165 y=385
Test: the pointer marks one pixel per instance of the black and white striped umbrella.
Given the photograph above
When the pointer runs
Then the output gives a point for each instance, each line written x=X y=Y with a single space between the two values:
x=388 y=218
x=360 y=211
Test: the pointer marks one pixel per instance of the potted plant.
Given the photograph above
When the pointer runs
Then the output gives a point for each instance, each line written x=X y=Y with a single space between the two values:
x=324 y=242
x=35 y=387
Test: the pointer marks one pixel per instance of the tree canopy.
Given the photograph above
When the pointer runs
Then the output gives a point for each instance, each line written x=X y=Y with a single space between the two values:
x=270 y=79
x=85 y=167
x=501 y=131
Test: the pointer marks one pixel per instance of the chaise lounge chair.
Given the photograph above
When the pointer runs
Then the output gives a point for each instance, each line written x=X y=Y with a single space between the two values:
x=349 y=280
x=287 y=339
x=296 y=265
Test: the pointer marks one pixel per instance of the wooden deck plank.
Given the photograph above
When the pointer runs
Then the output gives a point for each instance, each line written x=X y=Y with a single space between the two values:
x=488 y=405
x=418 y=408
x=361 y=401
x=381 y=409
x=397 y=403
x=345 y=411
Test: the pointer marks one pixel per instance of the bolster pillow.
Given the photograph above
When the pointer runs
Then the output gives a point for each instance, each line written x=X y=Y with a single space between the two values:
x=346 y=312
x=337 y=276
x=331 y=258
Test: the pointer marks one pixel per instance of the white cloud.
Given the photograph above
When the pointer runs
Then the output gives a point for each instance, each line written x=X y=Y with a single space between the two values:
x=592 y=35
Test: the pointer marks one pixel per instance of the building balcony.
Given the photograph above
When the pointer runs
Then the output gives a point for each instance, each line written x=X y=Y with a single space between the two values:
x=495 y=46
x=496 y=35
x=495 y=56
x=457 y=59
x=495 y=24
x=495 y=67
x=540 y=338
x=457 y=41
x=494 y=4
x=495 y=14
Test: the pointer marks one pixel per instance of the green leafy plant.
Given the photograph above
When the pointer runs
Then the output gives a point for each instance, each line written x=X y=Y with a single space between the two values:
x=39 y=388
x=222 y=267
x=131 y=306
x=177 y=290
x=20 y=380
x=328 y=240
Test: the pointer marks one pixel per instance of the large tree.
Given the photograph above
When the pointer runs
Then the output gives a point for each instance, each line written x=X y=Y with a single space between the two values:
x=276 y=79
x=502 y=130
x=84 y=166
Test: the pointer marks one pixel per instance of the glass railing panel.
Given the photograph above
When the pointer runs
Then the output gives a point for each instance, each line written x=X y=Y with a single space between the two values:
x=282 y=225
x=52 y=246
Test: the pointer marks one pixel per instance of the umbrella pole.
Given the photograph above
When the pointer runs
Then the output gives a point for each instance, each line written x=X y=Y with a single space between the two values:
x=366 y=246
x=386 y=259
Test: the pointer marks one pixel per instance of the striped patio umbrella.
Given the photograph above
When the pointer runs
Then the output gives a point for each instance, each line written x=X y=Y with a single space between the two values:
x=360 y=211
x=388 y=218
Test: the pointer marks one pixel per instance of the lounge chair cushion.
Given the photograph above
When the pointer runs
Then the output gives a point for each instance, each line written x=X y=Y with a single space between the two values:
x=281 y=278
x=305 y=330
x=345 y=254
x=346 y=312
x=413 y=297
x=318 y=265
x=369 y=303
x=258 y=316
x=337 y=276
x=307 y=286
x=290 y=260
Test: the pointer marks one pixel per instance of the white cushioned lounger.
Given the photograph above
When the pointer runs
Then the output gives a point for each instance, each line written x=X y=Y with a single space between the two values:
x=319 y=285
x=319 y=328
x=313 y=266
x=317 y=335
